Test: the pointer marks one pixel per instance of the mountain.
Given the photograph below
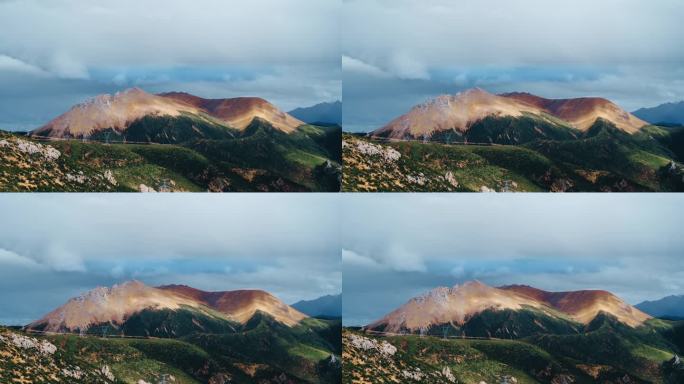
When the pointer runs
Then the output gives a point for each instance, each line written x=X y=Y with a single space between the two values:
x=584 y=306
x=474 y=333
x=324 y=306
x=240 y=305
x=219 y=145
x=133 y=333
x=670 y=306
x=116 y=306
x=582 y=112
x=477 y=116
x=473 y=302
x=668 y=113
x=40 y=360
x=240 y=111
x=323 y=113
x=519 y=155
x=125 y=110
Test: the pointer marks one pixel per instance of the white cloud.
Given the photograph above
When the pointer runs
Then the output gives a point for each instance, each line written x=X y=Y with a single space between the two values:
x=401 y=259
x=215 y=243
x=10 y=64
x=352 y=64
x=60 y=258
x=527 y=32
x=106 y=33
x=354 y=259
x=557 y=242
x=406 y=66
x=66 y=67
x=395 y=258
x=9 y=258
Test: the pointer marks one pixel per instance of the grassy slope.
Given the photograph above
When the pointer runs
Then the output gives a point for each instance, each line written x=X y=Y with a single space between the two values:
x=130 y=359
x=262 y=349
x=196 y=155
x=469 y=361
x=297 y=350
x=600 y=159
x=604 y=353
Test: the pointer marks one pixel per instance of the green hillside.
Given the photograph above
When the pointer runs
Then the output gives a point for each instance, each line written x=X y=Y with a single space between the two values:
x=523 y=157
x=183 y=153
x=604 y=351
x=190 y=349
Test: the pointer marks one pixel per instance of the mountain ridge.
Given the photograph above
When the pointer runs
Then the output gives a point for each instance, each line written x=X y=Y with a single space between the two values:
x=325 y=112
x=119 y=303
x=326 y=306
x=459 y=304
x=460 y=113
x=670 y=113
x=119 y=111
x=668 y=306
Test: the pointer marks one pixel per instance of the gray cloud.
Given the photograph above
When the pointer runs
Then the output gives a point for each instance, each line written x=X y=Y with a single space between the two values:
x=400 y=53
x=58 y=53
x=437 y=33
x=63 y=35
x=628 y=244
x=53 y=247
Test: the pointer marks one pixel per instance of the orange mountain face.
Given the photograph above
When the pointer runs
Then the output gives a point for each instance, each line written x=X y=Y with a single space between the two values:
x=459 y=112
x=456 y=305
x=584 y=306
x=238 y=112
x=582 y=112
x=119 y=110
x=114 y=305
x=241 y=305
x=115 y=111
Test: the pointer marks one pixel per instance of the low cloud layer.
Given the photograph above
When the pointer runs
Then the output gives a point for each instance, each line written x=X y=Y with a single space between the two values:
x=53 y=247
x=398 y=246
x=401 y=53
x=58 y=53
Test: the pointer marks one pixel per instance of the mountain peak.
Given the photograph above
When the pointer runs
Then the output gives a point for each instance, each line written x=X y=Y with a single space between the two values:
x=473 y=91
x=103 y=305
x=109 y=111
x=670 y=113
x=455 y=305
x=239 y=112
x=459 y=303
x=584 y=305
x=461 y=111
x=120 y=110
x=240 y=304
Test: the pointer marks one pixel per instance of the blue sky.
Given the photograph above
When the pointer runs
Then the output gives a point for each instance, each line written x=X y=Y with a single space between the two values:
x=54 y=54
x=401 y=53
x=54 y=247
x=398 y=246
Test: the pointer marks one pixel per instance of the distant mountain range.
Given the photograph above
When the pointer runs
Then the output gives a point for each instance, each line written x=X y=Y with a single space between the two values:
x=670 y=306
x=668 y=113
x=324 y=306
x=110 y=142
x=477 y=333
x=322 y=113
x=131 y=332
